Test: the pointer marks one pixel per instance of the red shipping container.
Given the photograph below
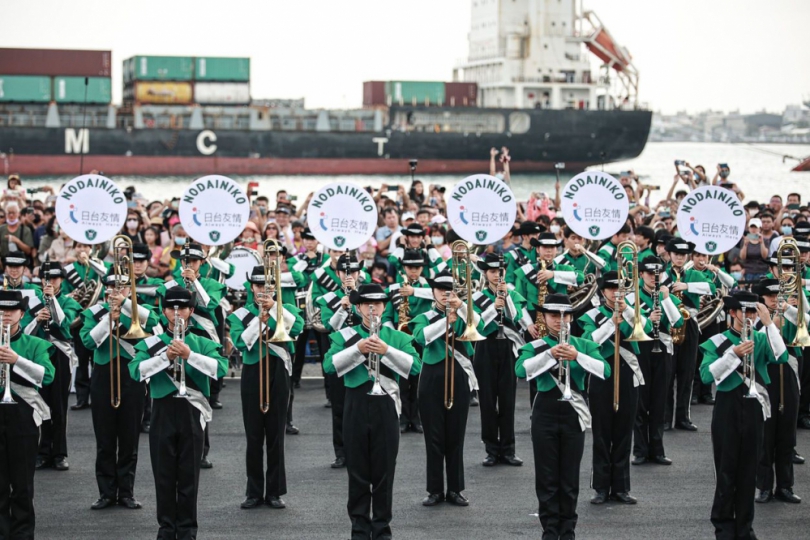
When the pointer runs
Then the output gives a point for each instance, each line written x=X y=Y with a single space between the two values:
x=374 y=93
x=461 y=94
x=55 y=62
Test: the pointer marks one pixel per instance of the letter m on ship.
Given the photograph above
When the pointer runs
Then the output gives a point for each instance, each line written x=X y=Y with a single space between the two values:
x=77 y=141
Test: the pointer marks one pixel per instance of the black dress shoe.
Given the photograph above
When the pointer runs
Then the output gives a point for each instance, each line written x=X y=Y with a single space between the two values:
x=339 y=462
x=693 y=401
x=601 y=497
x=129 y=502
x=145 y=427
x=403 y=428
x=291 y=430
x=706 y=400
x=417 y=428
x=205 y=463
x=328 y=403
x=457 y=499
x=276 y=502
x=787 y=495
x=686 y=425
x=639 y=460
x=474 y=401
x=250 y=503
x=79 y=406
x=489 y=461
x=667 y=427
x=102 y=503
x=624 y=498
x=215 y=404
x=764 y=496
x=61 y=464
x=661 y=460
x=797 y=459
x=512 y=460
x=433 y=499
x=42 y=463
x=297 y=384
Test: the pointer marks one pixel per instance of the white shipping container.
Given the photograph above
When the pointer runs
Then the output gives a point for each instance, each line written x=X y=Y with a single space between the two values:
x=222 y=93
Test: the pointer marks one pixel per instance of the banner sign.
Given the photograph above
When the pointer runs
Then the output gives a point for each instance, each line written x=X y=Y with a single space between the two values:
x=214 y=210
x=713 y=218
x=481 y=209
x=91 y=209
x=342 y=216
x=594 y=205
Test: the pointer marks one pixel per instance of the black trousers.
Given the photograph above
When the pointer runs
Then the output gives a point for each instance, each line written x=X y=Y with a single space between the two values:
x=371 y=431
x=19 y=437
x=337 y=395
x=737 y=429
x=648 y=434
x=301 y=352
x=613 y=431
x=494 y=365
x=704 y=391
x=82 y=382
x=176 y=447
x=117 y=431
x=409 y=396
x=444 y=429
x=558 y=442
x=682 y=375
x=804 y=378
x=779 y=435
x=265 y=428
x=53 y=443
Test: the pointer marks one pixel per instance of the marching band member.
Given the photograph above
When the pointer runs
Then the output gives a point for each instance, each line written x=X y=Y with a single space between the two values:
x=524 y=253
x=15 y=265
x=444 y=427
x=737 y=422
x=644 y=237
x=414 y=289
x=370 y=430
x=177 y=361
x=146 y=286
x=558 y=431
x=688 y=285
x=574 y=254
x=260 y=424
x=54 y=327
x=608 y=251
x=612 y=429
x=27 y=359
x=803 y=242
x=780 y=429
x=648 y=434
x=211 y=267
x=494 y=359
x=414 y=238
x=117 y=429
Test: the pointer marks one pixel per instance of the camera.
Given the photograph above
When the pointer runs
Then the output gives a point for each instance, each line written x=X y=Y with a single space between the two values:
x=679 y=162
x=413 y=163
x=393 y=188
x=559 y=165
x=653 y=188
x=293 y=197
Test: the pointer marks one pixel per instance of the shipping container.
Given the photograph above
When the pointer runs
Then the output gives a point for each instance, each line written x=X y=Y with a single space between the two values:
x=25 y=89
x=158 y=68
x=222 y=93
x=374 y=93
x=159 y=92
x=55 y=62
x=415 y=92
x=461 y=94
x=208 y=68
x=71 y=90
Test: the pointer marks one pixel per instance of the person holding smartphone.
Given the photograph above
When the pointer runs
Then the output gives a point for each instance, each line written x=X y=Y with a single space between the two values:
x=754 y=252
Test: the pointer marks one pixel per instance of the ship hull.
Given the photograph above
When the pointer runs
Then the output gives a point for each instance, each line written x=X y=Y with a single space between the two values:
x=578 y=138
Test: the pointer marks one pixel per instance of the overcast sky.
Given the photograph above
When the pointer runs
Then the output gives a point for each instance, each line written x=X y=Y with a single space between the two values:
x=692 y=54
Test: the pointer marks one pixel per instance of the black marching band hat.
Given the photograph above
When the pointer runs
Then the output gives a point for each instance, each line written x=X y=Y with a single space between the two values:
x=256 y=275
x=786 y=261
x=367 y=293
x=413 y=257
x=609 y=280
x=546 y=239
x=192 y=251
x=443 y=281
x=178 y=297
x=348 y=263
x=140 y=252
x=650 y=263
x=767 y=286
x=12 y=299
x=679 y=245
x=741 y=300
x=529 y=227
x=555 y=303
x=803 y=242
x=110 y=277
x=662 y=237
x=50 y=270
x=414 y=229
x=282 y=249
x=801 y=228
x=492 y=261
x=17 y=259
x=306 y=234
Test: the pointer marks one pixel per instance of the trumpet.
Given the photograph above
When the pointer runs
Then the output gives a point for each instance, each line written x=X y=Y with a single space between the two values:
x=179 y=331
x=565 y=367
x=374 y=358
x=749 y=369
x=272 y=270
x=5 y=371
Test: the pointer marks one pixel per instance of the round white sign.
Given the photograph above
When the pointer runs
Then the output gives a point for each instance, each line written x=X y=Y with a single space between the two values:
x=713 y=218
x=342 y=215
x=214 y=210
x=481 y=209
x=594 y=205
x=91 y=209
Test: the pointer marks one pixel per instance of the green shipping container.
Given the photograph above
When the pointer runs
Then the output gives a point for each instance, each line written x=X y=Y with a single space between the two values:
x=25 y=89
x=208 y=68
x=158 y=68
x=415 y=92
x=71 y=90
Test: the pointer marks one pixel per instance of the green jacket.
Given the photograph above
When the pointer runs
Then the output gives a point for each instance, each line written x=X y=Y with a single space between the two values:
x=434 y=261
x=526 y=281
x=59 y=327
x=608 y=254
x=220 y=269
x=536 y=362
x=95 y=331
x=670 y=315
x=428 y=330
x=517 y=258
x=514 y=311
x=33 y=368
x=147 y=288
x=326 y=280
x=698 y=284
x=418 y=303
x=244 y=323
x=333 y=316
x=209 y=294
x=306 y=265
x=151 y=363
x=291 y=281
x=598 y=325
x=76 y=272
x=720 y=362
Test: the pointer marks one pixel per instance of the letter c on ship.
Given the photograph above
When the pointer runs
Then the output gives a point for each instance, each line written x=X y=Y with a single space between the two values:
x=202 y=140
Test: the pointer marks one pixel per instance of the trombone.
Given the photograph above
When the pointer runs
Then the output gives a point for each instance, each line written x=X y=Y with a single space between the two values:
x=461 y=271
x=272 y=269
x=628 y=280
